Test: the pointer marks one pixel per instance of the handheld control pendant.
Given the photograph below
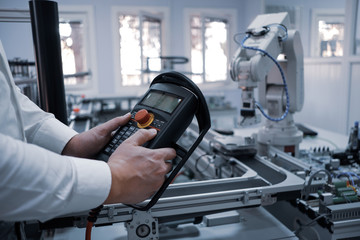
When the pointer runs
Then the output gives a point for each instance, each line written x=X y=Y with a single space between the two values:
x=168 y=106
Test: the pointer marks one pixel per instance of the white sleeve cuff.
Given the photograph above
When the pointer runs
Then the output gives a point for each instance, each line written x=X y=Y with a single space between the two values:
x=53 y=135
x=92 y=186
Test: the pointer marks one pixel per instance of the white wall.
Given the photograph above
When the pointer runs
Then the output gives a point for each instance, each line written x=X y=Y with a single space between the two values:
x=326 y=100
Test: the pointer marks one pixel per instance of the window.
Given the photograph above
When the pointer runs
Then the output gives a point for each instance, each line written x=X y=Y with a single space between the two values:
x=77 y=44
x=331 y=37
x=140 y=40
x=209 y=48
x=77 y=47
x=73 y=53
x=209 y=45
x=328 y=33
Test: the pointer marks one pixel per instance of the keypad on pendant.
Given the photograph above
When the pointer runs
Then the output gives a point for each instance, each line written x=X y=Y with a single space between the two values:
x=157 y=123
x=120 y=136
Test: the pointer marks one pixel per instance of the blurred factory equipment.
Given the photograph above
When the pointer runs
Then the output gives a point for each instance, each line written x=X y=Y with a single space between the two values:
x=24 y=75
x=167 y=63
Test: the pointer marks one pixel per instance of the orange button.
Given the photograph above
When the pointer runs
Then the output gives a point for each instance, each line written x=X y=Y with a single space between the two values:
x=142 y=116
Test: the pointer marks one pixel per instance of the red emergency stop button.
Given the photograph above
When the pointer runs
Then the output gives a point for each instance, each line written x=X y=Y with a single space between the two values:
x=144 y=118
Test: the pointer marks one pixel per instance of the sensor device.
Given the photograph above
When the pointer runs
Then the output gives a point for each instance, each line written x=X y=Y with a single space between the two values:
x=168 y=106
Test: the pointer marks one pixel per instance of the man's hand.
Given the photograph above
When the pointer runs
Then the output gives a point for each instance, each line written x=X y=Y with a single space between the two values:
x=137 y=172
x=88 y=144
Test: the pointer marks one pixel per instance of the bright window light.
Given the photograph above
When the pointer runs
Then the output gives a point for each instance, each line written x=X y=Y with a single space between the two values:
x=73 y=52
x=209 y=49
x=140 y=39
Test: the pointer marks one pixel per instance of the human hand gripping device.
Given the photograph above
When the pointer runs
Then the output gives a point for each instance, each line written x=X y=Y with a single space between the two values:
x=168 y=106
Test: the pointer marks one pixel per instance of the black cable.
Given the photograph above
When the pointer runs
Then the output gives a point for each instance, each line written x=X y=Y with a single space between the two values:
x=94 y=213
x=329 y=180
x=265 y=30
x=309 y=223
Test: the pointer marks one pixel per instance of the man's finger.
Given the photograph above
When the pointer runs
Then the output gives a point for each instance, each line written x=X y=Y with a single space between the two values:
x=168 y=153
x=169 y=167
x=114 y=123
x=142 y=136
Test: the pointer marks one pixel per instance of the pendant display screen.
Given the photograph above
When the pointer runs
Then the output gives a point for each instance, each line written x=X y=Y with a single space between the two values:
x=162 y=101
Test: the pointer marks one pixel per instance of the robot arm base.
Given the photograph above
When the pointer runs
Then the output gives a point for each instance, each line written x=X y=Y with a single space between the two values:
x=247 y=113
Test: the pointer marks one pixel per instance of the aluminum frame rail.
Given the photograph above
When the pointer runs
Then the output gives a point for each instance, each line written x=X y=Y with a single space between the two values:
x=196 y=199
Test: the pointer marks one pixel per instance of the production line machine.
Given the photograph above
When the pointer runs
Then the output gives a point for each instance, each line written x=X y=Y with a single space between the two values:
x=225 y=184
x=329 y=196
x=211 y=182
x=329 y=203
x=312 y=194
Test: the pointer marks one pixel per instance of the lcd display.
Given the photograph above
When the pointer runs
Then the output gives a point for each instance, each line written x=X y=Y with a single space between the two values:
x=162 y=101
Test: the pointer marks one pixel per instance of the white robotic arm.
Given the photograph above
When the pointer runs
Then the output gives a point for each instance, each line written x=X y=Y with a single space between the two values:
x=280 y=82
x=251 y=68
x=245 y=66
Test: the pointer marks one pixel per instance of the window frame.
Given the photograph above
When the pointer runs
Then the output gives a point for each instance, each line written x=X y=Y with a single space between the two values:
x=316 y=15
x=231 y=16
x=143 y=15
x=83 y=13
x=165 y=33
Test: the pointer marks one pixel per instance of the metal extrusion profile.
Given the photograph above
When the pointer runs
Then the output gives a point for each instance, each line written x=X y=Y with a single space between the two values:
x=260 y=183
x=189 y=200
x=286 y=161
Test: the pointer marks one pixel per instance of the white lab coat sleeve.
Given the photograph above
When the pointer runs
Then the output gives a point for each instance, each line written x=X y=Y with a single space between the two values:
x=37 y=184
x=42 y=128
